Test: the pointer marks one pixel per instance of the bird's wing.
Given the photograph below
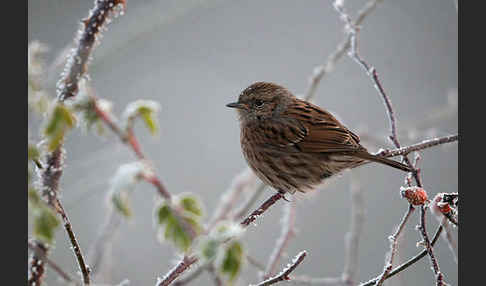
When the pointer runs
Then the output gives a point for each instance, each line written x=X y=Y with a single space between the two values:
x=324 y=133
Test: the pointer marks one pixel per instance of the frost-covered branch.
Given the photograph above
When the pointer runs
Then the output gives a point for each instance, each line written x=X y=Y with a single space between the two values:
x=284 y=274
x=341 y=49
x=87 y=39
x=394 y=244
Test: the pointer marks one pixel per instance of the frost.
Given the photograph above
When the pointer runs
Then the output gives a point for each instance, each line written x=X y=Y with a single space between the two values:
x=123 y=183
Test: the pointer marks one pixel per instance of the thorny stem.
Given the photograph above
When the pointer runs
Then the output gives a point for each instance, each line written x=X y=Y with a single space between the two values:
x=284 y=275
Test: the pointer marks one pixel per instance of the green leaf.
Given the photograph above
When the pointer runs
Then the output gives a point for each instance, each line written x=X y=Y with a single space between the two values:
x=33 y=152
x=148 y=117
x=191 y=204
x=122 y=184
x=59 y=122
x=146 y=110
x=122 y=204
x=45 y=224
x=171 y=229
x=163 y=214
x=209 y=249
x=232 y=261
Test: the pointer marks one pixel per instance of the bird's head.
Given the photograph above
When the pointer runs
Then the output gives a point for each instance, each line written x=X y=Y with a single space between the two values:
x=260 y=101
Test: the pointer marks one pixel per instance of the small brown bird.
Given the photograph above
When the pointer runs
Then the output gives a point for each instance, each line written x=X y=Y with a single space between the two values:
x=293 y=145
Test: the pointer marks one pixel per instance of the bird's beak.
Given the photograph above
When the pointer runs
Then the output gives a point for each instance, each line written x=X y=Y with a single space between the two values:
x=236 y=105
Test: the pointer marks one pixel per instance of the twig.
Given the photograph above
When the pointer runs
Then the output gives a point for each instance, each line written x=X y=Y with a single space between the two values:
x=288 y=223
x=393 y=245
x=341 y=49
x=406 y=264
x=428 y=247
x=190 y=277
x=39 y=252
x=419 y=146
x=182 y=266
x=75 y=245
x=128 y=137
x=268 y=203
x=284 y=274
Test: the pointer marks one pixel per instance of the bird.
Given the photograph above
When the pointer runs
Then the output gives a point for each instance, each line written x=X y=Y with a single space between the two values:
x=293 y=145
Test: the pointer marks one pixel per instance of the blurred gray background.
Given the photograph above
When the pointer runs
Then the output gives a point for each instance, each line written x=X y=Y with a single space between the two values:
x=193 y=57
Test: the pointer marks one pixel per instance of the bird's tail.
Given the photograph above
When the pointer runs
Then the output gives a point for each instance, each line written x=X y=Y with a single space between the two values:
x=383 y=160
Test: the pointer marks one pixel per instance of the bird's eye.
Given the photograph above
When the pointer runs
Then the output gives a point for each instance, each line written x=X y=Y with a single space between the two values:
x=258 y=103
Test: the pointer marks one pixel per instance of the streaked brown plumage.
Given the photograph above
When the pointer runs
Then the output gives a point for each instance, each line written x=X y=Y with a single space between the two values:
x=293 y=145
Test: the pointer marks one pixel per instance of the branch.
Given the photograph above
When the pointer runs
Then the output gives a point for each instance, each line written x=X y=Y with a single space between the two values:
x=284 y=274
x=74 y=243
x=419 y=146
x=67 y=87
x=182 y=266
x=190 y=277
x=263 y=207
x=321 y=70
x=352 y=30
x=87 y=39
x=393 y=246
x=407 y=264
x=428 y=247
